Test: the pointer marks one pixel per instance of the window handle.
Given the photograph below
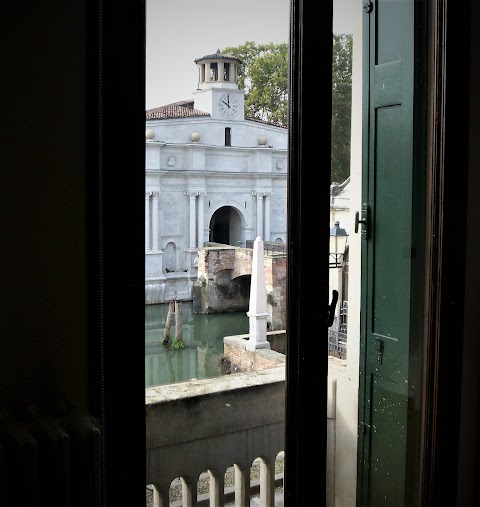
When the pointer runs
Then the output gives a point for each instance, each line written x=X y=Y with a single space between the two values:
x=331 y=308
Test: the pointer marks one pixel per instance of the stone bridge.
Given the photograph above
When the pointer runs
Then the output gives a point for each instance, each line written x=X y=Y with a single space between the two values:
x=224 y=277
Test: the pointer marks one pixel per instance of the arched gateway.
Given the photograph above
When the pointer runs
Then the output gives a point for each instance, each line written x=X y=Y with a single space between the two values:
x=226 y=227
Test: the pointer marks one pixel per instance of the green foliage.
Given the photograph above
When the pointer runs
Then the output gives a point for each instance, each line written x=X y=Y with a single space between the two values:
x=263 y=75
x=341 y=106
x=178 y=343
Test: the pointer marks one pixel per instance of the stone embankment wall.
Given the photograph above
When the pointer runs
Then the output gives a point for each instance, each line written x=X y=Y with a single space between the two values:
x=224 y=279
x=241 y=359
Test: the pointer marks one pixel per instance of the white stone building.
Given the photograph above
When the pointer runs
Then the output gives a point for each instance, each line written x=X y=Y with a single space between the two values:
x=211 y=175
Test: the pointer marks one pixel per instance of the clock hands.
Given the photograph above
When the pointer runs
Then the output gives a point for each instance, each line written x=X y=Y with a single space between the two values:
x=225 y=108
x=228 y=102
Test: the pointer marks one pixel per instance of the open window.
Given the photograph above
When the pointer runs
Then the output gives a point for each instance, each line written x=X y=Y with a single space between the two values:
x=86 y=76
x=311 y=39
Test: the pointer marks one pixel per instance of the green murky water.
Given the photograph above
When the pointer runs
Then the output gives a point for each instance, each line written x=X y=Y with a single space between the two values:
x=202 y=336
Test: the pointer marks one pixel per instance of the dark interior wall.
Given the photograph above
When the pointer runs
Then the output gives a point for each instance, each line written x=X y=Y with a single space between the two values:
x=43 y=269
x=469 y=469
x=72 y=305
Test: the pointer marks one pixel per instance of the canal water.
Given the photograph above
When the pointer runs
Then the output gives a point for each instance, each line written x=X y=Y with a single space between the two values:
x=202 y=335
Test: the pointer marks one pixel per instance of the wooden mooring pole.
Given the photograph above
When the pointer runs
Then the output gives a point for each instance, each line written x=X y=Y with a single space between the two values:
x=168 y=322
x=178 y=320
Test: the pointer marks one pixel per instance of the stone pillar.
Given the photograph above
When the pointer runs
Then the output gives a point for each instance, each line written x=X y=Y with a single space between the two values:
x=147 y=220
x=266 y=236
x=155 y=246
x=257 y=311
x=192 y=196
x=201 y=221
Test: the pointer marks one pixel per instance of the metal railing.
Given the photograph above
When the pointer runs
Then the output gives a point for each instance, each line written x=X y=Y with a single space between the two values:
x=337 y=338
x=337 y=344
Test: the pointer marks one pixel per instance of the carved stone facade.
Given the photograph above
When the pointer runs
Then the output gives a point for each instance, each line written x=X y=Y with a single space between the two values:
x=208 y=178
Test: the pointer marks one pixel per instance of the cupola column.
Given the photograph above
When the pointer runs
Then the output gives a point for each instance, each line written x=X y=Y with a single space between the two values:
x=221 y=71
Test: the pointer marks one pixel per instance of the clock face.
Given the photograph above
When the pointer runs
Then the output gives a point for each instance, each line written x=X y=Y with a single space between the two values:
x=228 y=105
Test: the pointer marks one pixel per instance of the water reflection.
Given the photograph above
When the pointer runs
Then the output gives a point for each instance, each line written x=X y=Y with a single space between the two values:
x=203 y=338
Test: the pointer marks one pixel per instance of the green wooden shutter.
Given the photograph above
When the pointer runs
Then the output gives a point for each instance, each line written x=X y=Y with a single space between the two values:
x=387 y=252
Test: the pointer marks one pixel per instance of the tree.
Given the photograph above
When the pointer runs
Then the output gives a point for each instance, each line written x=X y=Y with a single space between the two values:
x=341 y=106
x=263 y=74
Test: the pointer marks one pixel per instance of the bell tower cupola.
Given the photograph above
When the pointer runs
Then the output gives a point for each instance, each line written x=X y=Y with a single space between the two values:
x=217 y=92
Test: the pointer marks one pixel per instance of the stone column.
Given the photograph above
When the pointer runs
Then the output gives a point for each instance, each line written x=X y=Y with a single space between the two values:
x=257 y=312
x=192 y=196
x=266 y=236
x=147 y=220
x=155 y=246
x=201 y=219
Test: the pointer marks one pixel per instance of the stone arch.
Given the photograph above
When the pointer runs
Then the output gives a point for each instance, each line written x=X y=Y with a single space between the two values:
x=226 y=225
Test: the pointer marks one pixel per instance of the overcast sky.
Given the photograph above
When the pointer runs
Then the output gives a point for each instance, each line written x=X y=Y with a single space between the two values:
x=179 y=31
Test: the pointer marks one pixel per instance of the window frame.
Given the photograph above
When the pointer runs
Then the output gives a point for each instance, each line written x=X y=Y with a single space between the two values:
x=306 y=367
x=115 y=46
x=115 y=96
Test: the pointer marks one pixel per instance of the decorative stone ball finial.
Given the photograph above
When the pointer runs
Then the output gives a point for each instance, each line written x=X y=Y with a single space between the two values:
x=262 y=140
x=149 y=134
x=195 y=137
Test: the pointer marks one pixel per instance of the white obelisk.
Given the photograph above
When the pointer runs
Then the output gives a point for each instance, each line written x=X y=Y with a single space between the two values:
x=257 y=311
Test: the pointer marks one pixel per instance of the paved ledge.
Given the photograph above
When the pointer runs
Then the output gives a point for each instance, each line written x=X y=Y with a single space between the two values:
x=232 y=382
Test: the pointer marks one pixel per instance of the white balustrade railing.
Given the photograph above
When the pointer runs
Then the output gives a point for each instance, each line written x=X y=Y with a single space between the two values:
x=215 y=425
x=201 y=431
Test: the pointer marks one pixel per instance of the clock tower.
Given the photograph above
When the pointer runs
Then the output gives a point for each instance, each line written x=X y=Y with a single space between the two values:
x=217 y=91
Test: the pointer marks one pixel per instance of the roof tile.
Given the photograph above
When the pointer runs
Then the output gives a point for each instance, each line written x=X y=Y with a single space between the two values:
x=182 y=109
